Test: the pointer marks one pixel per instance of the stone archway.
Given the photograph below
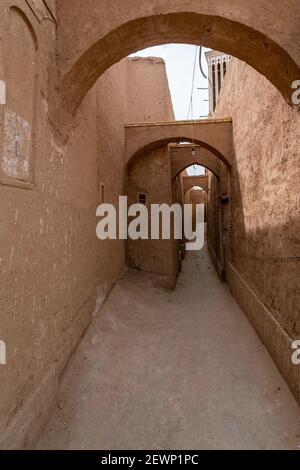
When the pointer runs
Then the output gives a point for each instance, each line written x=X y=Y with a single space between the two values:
x=262 y=34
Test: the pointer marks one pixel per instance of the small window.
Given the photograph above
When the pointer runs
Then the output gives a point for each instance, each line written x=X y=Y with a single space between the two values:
x=142 y=198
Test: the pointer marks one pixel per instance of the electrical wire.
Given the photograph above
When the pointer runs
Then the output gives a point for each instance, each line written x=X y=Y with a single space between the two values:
x=201 y=67
x=200 y=63
x=191 y=110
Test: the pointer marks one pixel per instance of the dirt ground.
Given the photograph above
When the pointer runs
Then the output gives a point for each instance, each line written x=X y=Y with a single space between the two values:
x=178 y=369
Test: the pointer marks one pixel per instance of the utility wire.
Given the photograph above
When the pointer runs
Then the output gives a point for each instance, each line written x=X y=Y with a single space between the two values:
x=202 y=70
x=200 y=63
x=191 y=110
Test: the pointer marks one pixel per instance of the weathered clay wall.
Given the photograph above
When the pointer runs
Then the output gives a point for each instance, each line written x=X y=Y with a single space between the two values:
x=55 y=273
x=38 y=219
x=212 y=217
x=112 y=91
x=48 y=265
x=218 y=220
x=265 y=181
x=151 y=175
x=147 y=83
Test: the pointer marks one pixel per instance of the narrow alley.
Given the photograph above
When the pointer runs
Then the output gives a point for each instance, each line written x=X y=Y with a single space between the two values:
x=172 y=369
x=149 y=228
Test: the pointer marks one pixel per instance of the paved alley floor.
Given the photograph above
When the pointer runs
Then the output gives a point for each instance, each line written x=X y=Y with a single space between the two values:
x=178 y=369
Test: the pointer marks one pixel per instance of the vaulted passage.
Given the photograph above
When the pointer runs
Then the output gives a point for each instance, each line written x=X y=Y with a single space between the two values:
x=183 y=156
x=214 y=135
x=173 y=370
x=118 y=327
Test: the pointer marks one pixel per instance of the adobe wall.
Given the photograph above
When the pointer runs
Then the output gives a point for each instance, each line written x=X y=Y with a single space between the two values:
x=55 y=273
x=213 y=236
x=147 y=83
x=151 y=175
x=111 y=114
x=264 y=200
x=38 y=219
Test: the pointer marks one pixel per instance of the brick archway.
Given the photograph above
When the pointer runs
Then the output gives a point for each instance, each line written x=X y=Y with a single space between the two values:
x=244 y=31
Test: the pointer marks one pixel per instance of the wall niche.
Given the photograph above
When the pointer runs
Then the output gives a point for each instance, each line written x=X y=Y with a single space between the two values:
x=17 y=165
